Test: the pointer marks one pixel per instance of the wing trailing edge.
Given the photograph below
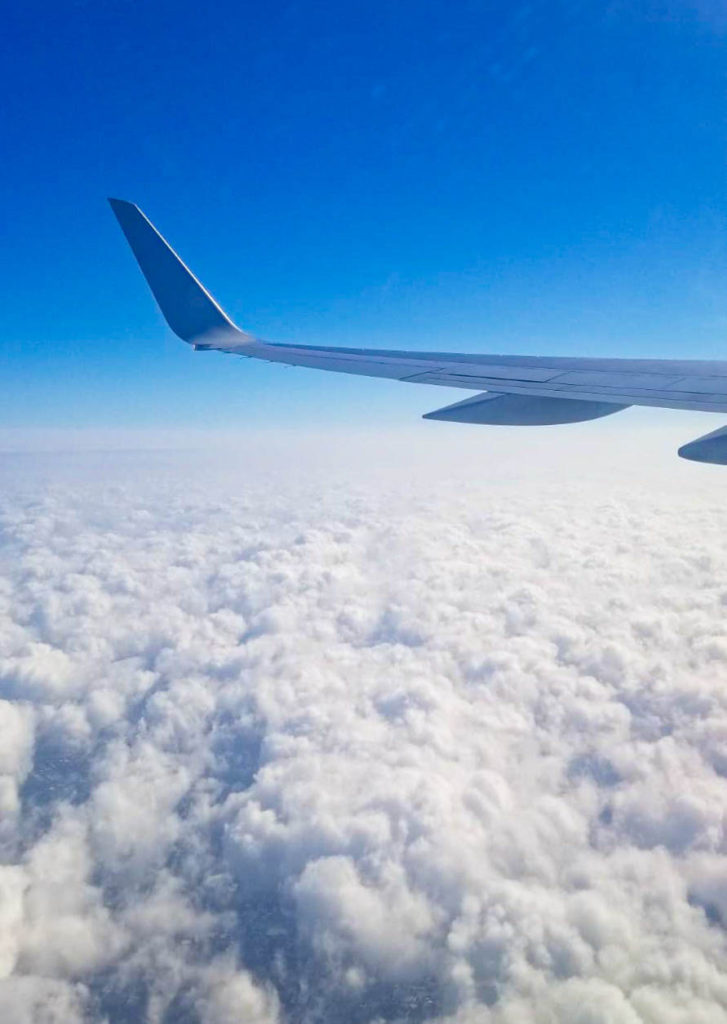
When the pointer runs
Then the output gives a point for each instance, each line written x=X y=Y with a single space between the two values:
x=522 y=410
x=710 y=448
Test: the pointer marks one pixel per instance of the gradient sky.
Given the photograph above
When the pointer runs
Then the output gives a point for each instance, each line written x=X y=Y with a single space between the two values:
x=510 y=177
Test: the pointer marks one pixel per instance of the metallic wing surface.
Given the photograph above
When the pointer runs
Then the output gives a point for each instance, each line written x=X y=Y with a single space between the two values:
x=528 y=390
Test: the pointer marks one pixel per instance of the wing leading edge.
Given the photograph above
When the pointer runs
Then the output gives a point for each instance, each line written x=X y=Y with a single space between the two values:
x=533 y=390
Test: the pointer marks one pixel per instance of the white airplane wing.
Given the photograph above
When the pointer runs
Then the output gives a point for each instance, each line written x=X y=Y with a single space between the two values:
x=531 y=390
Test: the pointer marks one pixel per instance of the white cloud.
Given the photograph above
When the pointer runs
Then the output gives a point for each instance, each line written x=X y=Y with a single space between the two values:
x=314 y=738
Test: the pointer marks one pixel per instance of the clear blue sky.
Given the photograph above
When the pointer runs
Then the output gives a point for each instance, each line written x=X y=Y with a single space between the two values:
x=516 y=177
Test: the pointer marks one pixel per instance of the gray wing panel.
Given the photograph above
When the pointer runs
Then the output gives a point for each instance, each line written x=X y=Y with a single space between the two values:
x=621 y=382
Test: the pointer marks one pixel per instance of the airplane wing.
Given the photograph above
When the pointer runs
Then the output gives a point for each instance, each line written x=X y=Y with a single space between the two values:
x=531 y=390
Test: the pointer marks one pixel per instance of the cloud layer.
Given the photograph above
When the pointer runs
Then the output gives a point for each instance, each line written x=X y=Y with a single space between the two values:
x=282 y=745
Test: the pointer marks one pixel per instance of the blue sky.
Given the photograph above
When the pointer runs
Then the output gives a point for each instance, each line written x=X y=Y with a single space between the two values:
x=540 y=177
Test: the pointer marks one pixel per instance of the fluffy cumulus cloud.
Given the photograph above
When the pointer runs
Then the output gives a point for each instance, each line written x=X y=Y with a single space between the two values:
x=313 y=741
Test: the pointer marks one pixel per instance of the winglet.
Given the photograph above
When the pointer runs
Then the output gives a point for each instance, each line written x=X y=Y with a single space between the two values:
x=188 y=307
